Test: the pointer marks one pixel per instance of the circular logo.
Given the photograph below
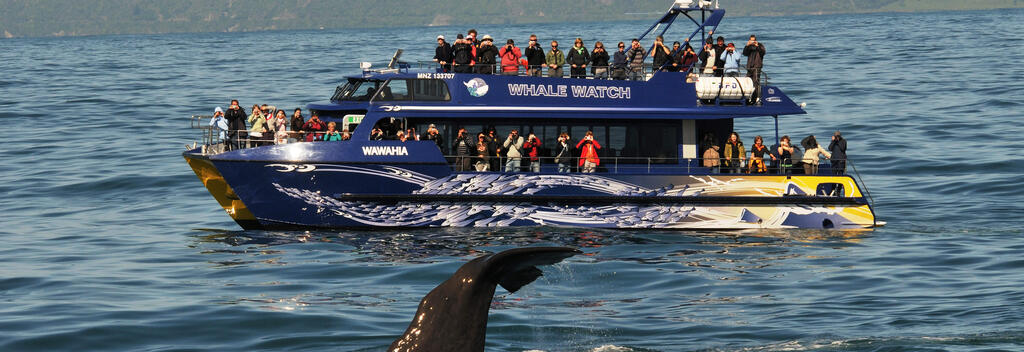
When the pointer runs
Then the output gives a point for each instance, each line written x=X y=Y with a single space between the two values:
x=476 y=87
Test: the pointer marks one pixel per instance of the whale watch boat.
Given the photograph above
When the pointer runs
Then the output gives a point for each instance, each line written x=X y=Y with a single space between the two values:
x=650 y=173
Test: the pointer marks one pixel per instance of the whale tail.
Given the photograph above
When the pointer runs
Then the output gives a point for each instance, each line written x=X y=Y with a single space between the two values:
x=453 y=316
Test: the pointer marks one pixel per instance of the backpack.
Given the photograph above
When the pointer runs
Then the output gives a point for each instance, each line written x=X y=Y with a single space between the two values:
x=462 y=55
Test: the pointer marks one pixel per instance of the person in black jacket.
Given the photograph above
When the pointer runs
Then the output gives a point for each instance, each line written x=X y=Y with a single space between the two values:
x=619 y=63
x=719 y=58
x=236 y=125
x=296 y=125
x=534 y=57
x=599 y=61
x=443 y=54
x=754 y=51
x=463 y=55
x=578 y=58
x=486 y=56
x=838 y=149
x=661 y=54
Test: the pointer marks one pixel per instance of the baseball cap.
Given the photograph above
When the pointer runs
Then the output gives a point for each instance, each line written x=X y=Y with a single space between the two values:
x=440 y=37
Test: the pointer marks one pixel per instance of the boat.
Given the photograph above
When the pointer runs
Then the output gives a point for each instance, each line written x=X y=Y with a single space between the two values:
x=650 y=174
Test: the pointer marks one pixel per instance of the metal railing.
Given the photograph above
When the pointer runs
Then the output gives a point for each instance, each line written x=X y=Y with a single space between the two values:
x=643 y=73
x=612 y=164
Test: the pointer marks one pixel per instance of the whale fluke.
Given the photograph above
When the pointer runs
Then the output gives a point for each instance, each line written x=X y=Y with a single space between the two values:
x=453 y=316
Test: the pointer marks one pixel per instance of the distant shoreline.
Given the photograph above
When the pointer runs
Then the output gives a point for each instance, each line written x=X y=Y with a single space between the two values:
x=6 y=34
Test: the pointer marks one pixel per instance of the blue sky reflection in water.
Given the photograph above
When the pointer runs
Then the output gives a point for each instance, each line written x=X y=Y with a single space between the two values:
x=111 y=243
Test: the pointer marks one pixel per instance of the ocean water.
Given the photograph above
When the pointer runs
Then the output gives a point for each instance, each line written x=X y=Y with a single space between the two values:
x=110 y=242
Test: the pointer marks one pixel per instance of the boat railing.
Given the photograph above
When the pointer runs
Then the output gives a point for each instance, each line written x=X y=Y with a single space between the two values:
x=644 y=73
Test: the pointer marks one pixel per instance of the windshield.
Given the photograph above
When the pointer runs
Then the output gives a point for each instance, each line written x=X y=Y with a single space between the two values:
x=356 y=90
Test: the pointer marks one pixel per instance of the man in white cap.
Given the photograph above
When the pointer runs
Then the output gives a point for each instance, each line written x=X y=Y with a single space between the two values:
x=218 y=122
x=443 y=54
x=486 y=56
x=433 y=135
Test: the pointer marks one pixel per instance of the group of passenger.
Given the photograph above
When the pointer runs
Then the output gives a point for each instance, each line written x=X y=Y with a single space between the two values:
x=783 y=156
x=266 y=125
x=472 y=55
x=487 y=149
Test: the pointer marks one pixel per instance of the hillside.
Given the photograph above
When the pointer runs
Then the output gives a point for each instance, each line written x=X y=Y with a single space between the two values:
x=33 y=18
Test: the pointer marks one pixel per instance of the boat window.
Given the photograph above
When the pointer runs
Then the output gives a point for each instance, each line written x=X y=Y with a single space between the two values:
x=415 y=89
x=357 y=90
x=831 y=190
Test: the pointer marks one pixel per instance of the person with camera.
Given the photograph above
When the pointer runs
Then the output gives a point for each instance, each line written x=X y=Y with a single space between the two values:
x=732 y=61
x=578 y=58
x=486 y=56
x=462 y=147
x=296 y=126
x=463 y=54
x=377 y=134
x=708 y=57
x=635 y=57
x=555 y=60
x=838 y=149
x=236 y=125
x=719 y=61
x=564 y=156
x=589 y=161
x=599 y=61
x=754 y=51
x=534 y=58
x=514 y=145
x=443 y=54
x=687 y=58
x=510 y=55
x=661 y=54
x=316 y=127
x=433 y=135
x=531 y=149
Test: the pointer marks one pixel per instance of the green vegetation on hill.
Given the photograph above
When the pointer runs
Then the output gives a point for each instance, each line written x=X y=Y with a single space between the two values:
x=29 y=18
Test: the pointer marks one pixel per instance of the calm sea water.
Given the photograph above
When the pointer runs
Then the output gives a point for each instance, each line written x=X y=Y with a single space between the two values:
x=111 y=243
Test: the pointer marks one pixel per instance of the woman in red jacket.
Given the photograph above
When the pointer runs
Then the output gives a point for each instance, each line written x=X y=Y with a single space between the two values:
x=588 y=155
x=510 y=56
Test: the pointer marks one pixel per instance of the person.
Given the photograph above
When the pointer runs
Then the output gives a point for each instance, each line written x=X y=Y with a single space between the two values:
x=731 y=60
x=531 y=148
x=296 y=125
x=811 y=155
x=578 y=58
x=462 y=147
x=534 y=57
x=588 y=153
x=688 y=58
x=735 y=155
x=712 y=159
x=510 y=56
x=463 y=55
x=410 y=133
x=661 y=53
x=236 y=125
x=514 y=145
x=619 y=63
x=676 y=59
x=259 y=126
x=564 y=156
x=486 y=56
x=401 y=136
x=483 y=153
x=332 y=134
x=838 y=149
x=279 y=125
x=599 y=61
x=635 y=57
x=377 y=134
x=555 y=60
x=443 y=54
x=433 y=135
x=757 y=152
x=314 y=128
x=494 y=149
x=471 y=38
x=754 y=51
x=785 y=152
x=719 y=61
x=345 y=135
x=708 y=59
x=219 y=123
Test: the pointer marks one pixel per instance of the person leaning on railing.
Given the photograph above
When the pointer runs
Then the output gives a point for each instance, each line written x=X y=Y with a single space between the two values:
x=599 y=61
x=735 y=154
x=811 y=154
x=443 y=54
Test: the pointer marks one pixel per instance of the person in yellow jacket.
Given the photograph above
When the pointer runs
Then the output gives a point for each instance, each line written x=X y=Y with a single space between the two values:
x=735 y=154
